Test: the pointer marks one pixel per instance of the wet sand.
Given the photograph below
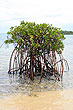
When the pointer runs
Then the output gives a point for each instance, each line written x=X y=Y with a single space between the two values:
x=51 y=100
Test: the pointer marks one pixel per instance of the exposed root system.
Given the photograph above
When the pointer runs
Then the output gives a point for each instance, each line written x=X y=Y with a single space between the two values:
x=45 y=65
x=38 y=51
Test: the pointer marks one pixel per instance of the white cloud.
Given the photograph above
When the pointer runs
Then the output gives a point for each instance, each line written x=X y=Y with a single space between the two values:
x=50 y=11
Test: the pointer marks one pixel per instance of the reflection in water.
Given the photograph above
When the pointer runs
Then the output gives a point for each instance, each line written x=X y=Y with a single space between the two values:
x=19 y=85
x=25 y=95
x=28 y=87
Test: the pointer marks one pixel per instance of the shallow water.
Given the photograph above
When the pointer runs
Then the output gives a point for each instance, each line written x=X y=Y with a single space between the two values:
x=17 y=85
x=51 y=100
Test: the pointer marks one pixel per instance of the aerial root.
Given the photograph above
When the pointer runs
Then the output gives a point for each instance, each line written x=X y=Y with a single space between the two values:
x=47 y=65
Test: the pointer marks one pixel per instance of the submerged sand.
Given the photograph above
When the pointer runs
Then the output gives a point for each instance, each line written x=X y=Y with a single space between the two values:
x=51 y=100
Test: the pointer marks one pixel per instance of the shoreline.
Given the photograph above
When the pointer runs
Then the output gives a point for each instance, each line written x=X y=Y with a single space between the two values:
x=51 y=100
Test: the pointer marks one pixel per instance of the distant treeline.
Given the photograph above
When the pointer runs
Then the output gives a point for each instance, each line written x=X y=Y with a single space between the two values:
x=68 y=32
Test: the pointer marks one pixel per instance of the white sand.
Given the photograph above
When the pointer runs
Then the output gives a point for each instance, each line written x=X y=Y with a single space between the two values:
x=51 y=100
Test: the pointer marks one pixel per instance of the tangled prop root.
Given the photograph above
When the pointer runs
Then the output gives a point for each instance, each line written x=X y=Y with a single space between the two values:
x=45 y=65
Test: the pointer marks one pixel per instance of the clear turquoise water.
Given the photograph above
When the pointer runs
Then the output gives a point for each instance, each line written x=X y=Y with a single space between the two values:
x=68 y=54
x=10 y=85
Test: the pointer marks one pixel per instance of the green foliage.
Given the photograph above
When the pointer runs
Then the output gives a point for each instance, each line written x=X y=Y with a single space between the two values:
x=31 y=36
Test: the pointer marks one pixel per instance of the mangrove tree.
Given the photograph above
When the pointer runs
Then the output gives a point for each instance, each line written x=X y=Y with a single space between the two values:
x=38 y=50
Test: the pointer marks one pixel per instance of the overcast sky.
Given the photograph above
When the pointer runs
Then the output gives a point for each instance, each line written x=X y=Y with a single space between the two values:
x=56 y=12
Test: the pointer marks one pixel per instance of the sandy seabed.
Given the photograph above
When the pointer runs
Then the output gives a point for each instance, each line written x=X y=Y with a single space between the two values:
x=51 y=100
